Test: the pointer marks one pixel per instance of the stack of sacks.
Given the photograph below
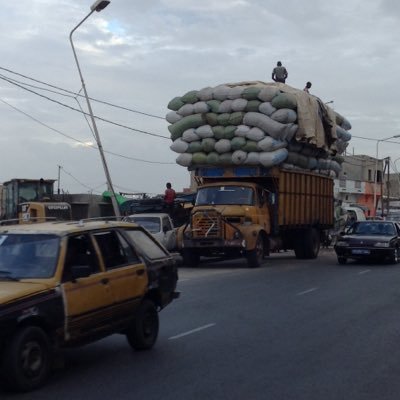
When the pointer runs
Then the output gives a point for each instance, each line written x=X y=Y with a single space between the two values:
x=247 y=124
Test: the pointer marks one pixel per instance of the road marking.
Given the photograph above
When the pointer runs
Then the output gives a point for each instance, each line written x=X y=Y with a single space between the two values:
x=364 y=271
x=307 y=291
x=200 y=328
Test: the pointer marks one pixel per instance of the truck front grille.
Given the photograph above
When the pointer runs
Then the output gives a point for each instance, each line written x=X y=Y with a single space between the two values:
x=206 y=224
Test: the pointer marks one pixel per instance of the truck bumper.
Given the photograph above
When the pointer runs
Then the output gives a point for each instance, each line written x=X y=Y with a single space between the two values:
x=214 y=243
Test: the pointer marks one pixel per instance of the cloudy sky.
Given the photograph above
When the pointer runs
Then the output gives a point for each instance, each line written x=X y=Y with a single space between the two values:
x=138 y=55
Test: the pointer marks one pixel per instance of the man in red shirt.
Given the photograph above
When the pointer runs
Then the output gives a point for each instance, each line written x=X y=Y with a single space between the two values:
x=169 y=197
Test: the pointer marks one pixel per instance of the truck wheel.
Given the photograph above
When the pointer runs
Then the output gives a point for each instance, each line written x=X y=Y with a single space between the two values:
x=190 y=259
x=342 y=260
x=143 y=332
x=27 y=359
x=309 y=244
x=255 y=257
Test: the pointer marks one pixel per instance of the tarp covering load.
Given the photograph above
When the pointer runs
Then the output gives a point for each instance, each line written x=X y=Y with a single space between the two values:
x=257 y=123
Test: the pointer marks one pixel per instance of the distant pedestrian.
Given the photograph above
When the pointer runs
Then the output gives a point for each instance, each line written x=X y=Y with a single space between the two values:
x=279 y=73
x=307 y=87
x=169 y=198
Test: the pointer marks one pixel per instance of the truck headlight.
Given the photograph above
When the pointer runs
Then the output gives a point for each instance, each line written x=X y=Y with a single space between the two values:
x=381 y=244
x=236 y=235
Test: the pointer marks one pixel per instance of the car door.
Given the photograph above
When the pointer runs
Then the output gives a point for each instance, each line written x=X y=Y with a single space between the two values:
x=126 y=273
x=88 y=300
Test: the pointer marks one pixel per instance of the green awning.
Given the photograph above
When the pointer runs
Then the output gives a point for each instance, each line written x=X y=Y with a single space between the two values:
x=120 y=199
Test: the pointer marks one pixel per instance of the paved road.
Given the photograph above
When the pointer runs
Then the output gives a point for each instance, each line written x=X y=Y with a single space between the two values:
x=291 y=329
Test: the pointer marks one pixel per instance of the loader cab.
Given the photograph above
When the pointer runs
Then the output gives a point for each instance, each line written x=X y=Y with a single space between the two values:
x=31 y=212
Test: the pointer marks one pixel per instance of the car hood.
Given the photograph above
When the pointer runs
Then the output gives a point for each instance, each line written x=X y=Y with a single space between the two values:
x=11 y=290
x=355 y=239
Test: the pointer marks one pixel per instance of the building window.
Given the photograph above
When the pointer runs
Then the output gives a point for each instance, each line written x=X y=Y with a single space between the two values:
x=342 y=183
x=369 y=175
x=357 y=184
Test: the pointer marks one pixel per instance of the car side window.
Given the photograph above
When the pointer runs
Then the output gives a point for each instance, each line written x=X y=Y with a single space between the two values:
x=166 y=223
x=80 y=251
x=115 y=250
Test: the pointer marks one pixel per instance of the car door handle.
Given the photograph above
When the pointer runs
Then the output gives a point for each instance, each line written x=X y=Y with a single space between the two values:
x=104 y=281
x=140 y=272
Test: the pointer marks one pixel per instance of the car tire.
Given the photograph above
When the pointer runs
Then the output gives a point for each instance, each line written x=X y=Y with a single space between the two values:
x=396 y=256
x=255 y=257
x=27 y=359
x=143 y=332
x=342 y=260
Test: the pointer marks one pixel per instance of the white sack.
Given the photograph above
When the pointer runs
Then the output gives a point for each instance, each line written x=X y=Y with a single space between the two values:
x=239 y=157
x=205 y=94
x=221 y=92
x=268 y=159
x=179 y=146
x=239 y=104
x=266 y=108
x=201 y=107
x=184 y=159
x=204 y=131
x=223 y=146
x=268 y=93
x=190 y=136
x=270 y=144
x=225 y=106
x=284 y=115
x=235 y=92
x=255 y=134
x=253 y=158
x=173 y=117
x=242 y=130
x=185 y=110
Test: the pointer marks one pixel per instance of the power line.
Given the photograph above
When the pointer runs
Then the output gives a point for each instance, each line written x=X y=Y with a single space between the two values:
x=75 y=109
x=76 y=94
x=79 y=141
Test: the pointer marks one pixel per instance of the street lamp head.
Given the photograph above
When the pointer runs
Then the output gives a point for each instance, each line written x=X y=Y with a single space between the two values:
x=99 y=5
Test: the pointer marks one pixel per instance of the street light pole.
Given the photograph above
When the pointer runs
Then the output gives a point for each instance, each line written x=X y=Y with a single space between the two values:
x=97 y=6
x=376 y=167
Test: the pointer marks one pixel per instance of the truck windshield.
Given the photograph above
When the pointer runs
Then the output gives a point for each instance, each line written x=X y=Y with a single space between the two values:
x=24 y=256
x=225 y=195
x=152 y=224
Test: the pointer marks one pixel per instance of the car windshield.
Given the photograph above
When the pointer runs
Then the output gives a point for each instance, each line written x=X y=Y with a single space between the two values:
x=373 y=228
x=24 y=256
x=222 y=195
x=152 y=224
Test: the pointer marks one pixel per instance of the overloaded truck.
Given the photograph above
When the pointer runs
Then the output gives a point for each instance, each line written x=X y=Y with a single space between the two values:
x=264 y=156
x=252 y=211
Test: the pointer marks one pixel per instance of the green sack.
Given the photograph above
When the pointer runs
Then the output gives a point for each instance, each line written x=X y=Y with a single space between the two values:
x=194 y=147
x=284 y=100
x=238 y=143
x=251 y=93
x=212 y=158
x=218 y=132
x=211 y=118
x=208 y=145
x=225 y=159
x=236 y=118
x=229 y=132
x=199 y=158
x=175 y=104
x=252 y=105
x=190 y=97
x=223 y=119
x=191 y=121
x=214 y=105
x=250 y=146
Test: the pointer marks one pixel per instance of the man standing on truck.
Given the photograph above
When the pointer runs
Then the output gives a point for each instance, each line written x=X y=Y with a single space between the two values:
x=279 y=73
x=169 y=198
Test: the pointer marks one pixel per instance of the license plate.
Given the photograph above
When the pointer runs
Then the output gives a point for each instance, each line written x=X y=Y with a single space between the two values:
x=360 y=251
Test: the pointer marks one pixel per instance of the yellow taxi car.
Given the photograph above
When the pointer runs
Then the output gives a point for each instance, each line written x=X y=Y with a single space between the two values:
x=70 y=283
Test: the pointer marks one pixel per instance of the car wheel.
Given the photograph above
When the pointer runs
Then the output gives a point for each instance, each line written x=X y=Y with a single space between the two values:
x=342 y=260
x=255 y=257
x=143 y=332
x=396 y=256
x=27 y=359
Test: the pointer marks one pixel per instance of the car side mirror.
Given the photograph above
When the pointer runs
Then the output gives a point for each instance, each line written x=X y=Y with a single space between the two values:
x=165 y=229
x=80 y=271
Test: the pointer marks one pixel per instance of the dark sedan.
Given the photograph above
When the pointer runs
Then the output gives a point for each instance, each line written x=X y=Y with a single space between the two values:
x=369 y=240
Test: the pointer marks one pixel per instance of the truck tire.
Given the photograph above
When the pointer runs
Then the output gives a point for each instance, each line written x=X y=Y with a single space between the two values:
x=190 y=258
x=27 y=359
x=255 y=257
x=143 y=332
x=307 y=246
